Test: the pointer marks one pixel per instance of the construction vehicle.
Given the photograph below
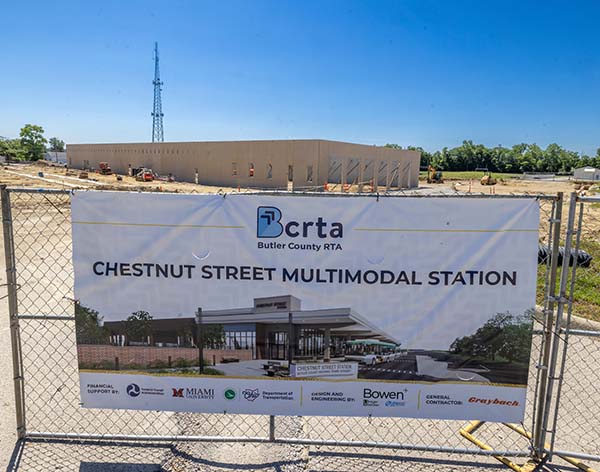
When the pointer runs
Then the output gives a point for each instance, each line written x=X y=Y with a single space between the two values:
x=434 y=176
x=144 y=175
x=104 y=169
x=487 y=179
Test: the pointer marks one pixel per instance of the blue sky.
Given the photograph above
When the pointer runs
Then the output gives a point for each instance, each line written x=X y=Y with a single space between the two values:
x=428 y=73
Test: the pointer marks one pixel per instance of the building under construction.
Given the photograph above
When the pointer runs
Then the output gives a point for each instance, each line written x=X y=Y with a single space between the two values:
x=285 y=164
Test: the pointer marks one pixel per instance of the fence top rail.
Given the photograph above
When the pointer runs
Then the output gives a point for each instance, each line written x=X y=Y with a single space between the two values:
x=582 y=332
x=395 y=194
x=590 y=199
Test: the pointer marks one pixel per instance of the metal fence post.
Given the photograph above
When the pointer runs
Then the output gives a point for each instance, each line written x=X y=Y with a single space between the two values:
x=272 y=428
x=574 y=198
x=11 y=285
x=550 y=296
x=561 y=300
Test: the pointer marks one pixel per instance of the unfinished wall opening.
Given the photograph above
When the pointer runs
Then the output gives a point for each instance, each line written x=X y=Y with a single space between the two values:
x=290 y=184
x=251 y=169
x=367 y=183
x=404 y=179
x=394 y=174
x=309 y=173
x=334 y=172
x=352 y=172
x=269 y=171
x=234 y=168
x=382 y=174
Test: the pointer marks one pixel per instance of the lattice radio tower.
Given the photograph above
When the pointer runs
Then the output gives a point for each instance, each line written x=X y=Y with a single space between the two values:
x=157 y=114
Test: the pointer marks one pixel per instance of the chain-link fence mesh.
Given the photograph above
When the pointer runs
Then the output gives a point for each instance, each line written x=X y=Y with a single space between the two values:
x=42 y=249
x=576 y=406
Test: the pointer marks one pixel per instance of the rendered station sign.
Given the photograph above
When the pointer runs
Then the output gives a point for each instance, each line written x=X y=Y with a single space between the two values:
x=406 y=307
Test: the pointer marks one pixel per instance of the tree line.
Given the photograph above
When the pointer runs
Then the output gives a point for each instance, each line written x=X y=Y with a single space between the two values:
x=30 y=145
x=504 y=336
x=516 y=159
x=137 y=327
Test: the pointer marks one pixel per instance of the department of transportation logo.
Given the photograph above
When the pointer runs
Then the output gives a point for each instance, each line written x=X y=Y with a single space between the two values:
x=268 y=222
x=133 y=390
x=229 y=394
x=251 y=394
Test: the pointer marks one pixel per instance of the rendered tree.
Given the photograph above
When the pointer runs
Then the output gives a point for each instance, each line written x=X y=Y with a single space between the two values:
x=87 y=326
x=137 y=326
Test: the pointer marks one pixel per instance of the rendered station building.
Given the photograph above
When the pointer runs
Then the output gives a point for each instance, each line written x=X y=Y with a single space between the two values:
x=266 y=328
x=286 y=164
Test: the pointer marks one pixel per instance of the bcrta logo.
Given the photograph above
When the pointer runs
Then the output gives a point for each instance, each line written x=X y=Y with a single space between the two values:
x=133 y=390
x=269 y=225
x=229 y=394
x=268 y=222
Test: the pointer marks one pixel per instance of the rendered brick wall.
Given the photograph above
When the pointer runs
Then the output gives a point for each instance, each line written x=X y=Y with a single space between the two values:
x=142 y=355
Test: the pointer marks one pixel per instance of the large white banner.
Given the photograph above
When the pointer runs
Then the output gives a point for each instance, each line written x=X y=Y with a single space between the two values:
x=415 y=307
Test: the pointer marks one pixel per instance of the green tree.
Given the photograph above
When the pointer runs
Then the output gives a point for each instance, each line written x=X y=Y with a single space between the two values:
x=137 y=326
x=33 y=141
x=56 y=145
x=213 y=336
x=11 y=149
x=503 y=335
x=87 y=326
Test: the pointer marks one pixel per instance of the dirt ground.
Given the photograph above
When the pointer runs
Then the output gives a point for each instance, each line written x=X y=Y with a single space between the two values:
x=42 y=236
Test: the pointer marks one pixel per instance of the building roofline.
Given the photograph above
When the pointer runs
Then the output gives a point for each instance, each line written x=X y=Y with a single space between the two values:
x=304 y=140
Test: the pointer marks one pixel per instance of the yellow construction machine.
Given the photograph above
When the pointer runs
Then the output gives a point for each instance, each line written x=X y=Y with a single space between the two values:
x=434 y=176
x=487 y=179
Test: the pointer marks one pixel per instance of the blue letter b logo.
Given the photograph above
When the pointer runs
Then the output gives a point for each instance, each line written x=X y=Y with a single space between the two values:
x=267 y=222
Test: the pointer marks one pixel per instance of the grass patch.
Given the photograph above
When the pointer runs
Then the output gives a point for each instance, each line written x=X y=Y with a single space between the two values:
x=586 y=295
x=587 y=284
x=465 y=175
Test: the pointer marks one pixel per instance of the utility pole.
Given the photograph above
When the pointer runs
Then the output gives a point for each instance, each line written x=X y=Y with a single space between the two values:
x=157 y=114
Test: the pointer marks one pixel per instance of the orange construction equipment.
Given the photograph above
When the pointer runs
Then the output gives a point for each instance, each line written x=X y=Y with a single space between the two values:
x=104 y=169
x=144 y=175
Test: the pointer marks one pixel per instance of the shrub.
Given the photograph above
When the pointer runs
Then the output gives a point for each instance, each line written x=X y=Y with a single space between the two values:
x=179 y=363
x=157 y=364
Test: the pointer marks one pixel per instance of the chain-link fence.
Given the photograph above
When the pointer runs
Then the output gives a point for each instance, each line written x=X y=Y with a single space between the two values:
x=37 y=232
x=575 y=411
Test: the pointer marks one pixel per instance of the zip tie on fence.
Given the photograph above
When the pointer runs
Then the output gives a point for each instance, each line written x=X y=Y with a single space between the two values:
x=73 y=300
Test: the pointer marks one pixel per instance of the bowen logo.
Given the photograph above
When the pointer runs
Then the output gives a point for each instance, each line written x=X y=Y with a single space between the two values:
x=269 y=225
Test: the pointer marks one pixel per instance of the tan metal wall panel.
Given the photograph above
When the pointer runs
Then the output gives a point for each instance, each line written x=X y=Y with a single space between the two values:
x=214 y=161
